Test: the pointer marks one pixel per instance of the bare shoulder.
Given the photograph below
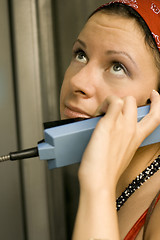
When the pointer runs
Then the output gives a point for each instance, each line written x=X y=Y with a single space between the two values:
x=153 y=229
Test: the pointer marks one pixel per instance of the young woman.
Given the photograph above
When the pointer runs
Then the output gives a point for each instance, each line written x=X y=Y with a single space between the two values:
x=115 y=68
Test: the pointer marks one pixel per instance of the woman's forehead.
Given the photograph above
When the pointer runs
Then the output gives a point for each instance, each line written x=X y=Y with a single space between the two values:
x=104 y=24
x=103 y=33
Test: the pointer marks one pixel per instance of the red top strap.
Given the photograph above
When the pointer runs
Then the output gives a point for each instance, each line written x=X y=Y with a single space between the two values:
x=132 y=234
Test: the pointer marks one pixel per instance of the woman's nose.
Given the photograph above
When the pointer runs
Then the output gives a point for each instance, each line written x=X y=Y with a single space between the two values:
x=84 y=82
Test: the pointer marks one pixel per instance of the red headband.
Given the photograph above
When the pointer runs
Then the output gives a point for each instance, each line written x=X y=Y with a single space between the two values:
x=149 y=11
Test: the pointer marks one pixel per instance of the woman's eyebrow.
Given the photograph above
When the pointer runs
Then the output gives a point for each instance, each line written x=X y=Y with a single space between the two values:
x=113 y=52
x=81 y=42
x=110 y=52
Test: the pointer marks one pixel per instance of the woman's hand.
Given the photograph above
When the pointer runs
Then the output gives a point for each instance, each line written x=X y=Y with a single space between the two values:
x=110 y=150
x=114 y=141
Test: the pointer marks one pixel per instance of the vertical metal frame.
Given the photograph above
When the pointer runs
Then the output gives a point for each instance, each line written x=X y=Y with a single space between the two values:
x=49 y=85
x=50 y=105
x=28 y=81
x=11 y=214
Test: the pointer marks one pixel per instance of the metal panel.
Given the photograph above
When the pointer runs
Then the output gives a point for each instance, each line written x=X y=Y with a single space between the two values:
x=49 y=85
x=11 y=219
x=50 y=93
x=26 y=49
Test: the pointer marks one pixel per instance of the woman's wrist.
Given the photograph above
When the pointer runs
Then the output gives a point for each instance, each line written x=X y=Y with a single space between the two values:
x=103 y=188
x=94 y=209
x=98 y=193
x=98 y=200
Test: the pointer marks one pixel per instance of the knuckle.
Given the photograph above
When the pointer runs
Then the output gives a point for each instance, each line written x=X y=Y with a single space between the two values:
x=119 y=102
x=130 y=99
x=115 y=99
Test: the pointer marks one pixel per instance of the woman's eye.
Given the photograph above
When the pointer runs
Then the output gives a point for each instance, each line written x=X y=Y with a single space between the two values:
x=118 y=69
x=80 y=56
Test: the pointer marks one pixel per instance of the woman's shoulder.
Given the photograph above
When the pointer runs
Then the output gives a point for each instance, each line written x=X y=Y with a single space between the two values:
x=153 y=228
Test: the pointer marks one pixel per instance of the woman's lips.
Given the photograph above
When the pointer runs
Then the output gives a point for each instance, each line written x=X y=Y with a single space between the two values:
x=71 y=112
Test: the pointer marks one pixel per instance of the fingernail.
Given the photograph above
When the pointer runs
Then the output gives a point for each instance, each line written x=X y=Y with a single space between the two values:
x=155 y=92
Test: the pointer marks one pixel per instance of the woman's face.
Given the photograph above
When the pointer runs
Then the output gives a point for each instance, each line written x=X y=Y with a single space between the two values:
x=110 y=57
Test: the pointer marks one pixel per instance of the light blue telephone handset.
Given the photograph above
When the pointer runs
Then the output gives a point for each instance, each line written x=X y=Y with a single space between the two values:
x=65 y=141
x=65 y=144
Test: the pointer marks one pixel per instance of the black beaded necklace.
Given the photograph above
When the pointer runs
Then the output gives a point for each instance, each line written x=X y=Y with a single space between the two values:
x=138 y=181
